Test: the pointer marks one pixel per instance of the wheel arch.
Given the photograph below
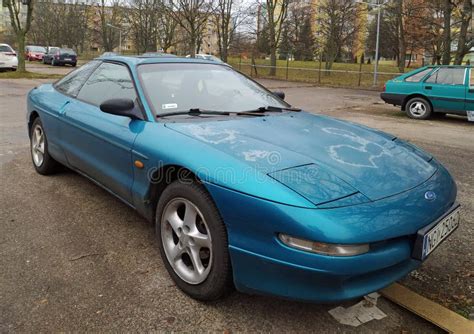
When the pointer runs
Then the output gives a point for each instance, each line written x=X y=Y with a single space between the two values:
x=161 y=177
x=411 y=96
x=33 y=115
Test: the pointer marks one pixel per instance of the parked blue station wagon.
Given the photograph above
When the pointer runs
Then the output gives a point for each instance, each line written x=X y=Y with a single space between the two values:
x=433 y=89
x=244 y=190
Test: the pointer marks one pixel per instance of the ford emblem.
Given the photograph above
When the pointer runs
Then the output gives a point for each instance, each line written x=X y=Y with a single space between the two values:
x=430 y=195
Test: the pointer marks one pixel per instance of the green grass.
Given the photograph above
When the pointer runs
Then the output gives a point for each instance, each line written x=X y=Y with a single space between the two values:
x=28 y=75
x=308 y=71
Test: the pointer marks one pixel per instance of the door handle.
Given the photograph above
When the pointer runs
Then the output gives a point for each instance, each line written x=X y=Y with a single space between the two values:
x=428 y=87
x=62 y=110
x=471 y=90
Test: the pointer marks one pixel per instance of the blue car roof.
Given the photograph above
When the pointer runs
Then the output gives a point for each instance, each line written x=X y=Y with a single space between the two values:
x=138 y=60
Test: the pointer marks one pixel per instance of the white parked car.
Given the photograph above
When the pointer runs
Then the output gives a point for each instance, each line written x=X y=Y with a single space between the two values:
x=206 y=57
x=8 y=58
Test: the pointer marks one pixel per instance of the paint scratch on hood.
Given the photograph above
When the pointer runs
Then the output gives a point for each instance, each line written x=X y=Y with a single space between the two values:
x=212 y=135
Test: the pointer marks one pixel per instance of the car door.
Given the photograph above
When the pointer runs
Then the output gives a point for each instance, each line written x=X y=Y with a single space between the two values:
x=469 y=106
x=97 y=143
x=53 y=104
x=446 y=90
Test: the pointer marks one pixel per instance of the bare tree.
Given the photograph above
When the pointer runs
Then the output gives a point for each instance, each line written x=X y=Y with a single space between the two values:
x=191 y=16
x=20 y=26
x=338 y=24
x=277 y=11
x=111 y=13
x=297 y=28
x=166 y=30
x=466 y=37
x=228 y=17
x=447 y=11
x=44 y=27
x=144 y=24
x=74 y=25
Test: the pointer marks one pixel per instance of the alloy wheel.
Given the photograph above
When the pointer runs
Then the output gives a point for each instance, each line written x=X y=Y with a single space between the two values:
x=417 y=109
x=187 y=241
x=37 y=145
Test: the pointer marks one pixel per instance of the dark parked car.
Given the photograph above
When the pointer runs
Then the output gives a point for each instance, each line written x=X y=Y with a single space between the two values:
x=61 y=57
x=49 y=55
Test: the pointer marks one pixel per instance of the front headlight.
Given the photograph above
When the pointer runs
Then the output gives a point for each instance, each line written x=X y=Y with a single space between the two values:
x=323 y=248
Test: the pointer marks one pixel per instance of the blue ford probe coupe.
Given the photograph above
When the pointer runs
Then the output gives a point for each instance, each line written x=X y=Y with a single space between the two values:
x=244 y=190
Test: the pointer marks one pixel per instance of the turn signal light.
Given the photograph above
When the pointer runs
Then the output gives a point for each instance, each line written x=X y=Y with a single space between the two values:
x=324 y=248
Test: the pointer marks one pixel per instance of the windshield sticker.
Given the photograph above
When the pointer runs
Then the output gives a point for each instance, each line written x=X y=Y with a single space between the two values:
x=169 y=106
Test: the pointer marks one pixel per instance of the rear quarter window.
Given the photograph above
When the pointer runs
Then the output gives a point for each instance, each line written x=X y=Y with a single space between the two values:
x=417 y=77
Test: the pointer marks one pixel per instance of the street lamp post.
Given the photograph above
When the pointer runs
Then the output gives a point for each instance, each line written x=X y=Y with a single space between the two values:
x=120 y=36
x=377 y=41
x=377 y=46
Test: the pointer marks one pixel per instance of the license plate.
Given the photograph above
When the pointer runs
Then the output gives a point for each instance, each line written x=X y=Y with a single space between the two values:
x=67 y=59
x=430 y=238
x=470 y=115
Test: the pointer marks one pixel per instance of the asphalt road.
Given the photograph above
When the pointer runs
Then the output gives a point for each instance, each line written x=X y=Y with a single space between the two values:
x=73 y=258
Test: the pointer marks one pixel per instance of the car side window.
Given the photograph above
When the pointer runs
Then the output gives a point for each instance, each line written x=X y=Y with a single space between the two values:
x=418 y=76
x=108 y=81
x=72 y=82
x=448 y=76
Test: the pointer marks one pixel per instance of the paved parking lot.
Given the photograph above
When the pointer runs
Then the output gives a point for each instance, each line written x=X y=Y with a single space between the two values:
x=73 y=258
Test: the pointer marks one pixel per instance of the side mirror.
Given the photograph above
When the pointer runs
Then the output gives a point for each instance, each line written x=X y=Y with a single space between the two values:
x=121 y=107
x=281 y=95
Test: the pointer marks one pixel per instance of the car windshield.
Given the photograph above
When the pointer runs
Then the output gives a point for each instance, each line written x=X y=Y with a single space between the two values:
x=37 y=49
x=171 y=87
x=53 y=50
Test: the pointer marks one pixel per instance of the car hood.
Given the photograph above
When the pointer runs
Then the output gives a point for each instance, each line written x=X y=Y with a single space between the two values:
x=321 y=158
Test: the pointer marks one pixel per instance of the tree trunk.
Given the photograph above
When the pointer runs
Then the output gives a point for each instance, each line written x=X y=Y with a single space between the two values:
x=273 y=61
x=20 y=38
x=462 y=48
x=193 y=45
x=447 y=10
x=402 y=49
x=224 y=55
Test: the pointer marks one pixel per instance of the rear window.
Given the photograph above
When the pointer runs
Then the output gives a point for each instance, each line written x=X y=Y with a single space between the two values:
x=418 y=76
x=5 y=48
x=68 y=51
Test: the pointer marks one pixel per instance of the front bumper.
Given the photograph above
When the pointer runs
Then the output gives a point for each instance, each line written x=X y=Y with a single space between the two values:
x=395 y=99
x=263 y=264
x=35 y=57
x=258 y=274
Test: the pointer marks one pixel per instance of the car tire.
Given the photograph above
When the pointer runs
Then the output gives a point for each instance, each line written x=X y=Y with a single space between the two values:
x=178 y=243
x=44 y=164
x=53 y=63
x=418 y=108
x=73 y=64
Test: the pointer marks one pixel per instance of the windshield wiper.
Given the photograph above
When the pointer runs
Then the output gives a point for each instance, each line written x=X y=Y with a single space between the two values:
x=271 y=109
x=198 y=112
